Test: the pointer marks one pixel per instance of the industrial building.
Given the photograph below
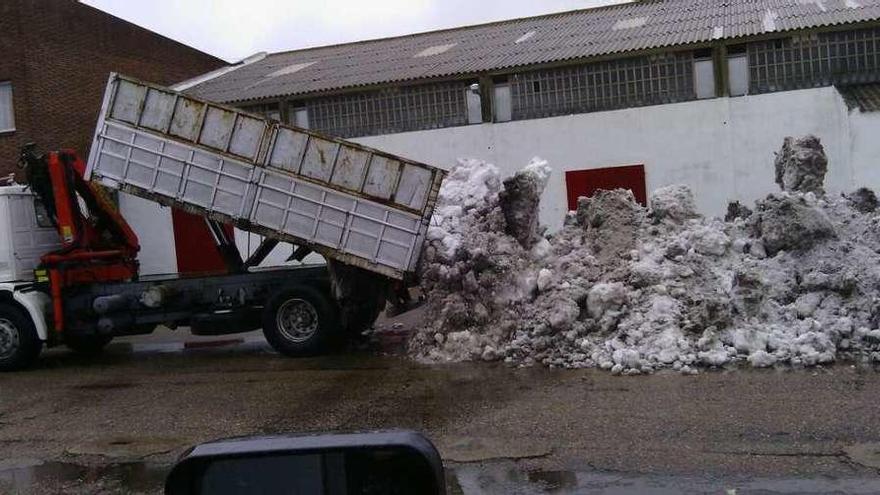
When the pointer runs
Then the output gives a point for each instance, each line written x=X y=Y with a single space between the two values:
x=638 y=95
x=635 y=95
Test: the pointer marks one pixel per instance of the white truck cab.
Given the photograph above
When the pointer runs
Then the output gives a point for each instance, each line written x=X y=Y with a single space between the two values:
x=26 y=233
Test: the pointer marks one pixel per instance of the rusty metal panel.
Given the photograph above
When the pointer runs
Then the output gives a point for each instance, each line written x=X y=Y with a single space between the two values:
x=346 y=201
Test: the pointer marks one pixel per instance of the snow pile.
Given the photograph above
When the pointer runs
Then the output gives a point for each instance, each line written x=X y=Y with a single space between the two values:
x=795 y=280
x=473 y=270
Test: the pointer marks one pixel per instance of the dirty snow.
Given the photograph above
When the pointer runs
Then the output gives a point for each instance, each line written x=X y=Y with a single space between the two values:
x=792 y=280
x=801 y=165
x=519 y=200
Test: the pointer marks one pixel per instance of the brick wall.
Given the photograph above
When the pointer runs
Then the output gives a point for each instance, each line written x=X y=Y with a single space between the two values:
x=58 y=53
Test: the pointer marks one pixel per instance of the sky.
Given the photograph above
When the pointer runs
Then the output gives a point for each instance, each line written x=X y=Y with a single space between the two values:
x=234 y=29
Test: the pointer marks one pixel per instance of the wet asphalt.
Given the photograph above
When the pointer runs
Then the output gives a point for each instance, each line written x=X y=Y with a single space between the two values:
x=116 y=423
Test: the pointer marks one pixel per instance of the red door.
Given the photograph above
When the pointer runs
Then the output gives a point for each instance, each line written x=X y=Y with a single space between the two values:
x=586 y=182
x=194 y=245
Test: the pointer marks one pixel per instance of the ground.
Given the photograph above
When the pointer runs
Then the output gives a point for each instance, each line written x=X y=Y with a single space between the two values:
x=115 y=424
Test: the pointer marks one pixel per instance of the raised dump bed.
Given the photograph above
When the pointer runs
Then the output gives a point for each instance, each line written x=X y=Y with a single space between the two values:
x=348 y=202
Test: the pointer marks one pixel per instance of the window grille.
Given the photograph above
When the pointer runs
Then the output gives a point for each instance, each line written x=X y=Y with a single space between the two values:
x=298 y=115
x=628 y=82
x=390 y=110
x=819 y=59
x=268 y=110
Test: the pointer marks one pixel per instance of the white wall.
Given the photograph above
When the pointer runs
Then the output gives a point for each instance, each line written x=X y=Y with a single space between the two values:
x=864 y=151
x=723 y=148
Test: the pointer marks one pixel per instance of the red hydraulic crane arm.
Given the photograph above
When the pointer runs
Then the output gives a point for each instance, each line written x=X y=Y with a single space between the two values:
x=104 y=228
x=98 y=245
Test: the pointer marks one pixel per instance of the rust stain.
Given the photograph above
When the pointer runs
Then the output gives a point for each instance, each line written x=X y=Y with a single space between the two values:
x=190 y=104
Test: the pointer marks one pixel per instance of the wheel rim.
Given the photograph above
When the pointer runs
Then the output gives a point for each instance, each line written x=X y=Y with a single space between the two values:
x=297 y=320
x=9 y=340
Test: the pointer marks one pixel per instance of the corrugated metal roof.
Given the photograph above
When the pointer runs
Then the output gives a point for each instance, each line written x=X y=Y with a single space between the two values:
x=865 y=97
x=489 y=47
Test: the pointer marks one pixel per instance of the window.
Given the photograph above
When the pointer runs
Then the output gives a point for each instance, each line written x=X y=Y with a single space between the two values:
x=7 y=114
x=474 y=104
x=299 y=115
x=390 y=110
x=704 y=78
x=269 y=111
x=607 y=85
x=812 y=60
x=738 y=74
x=43 y=219
x=503 y=108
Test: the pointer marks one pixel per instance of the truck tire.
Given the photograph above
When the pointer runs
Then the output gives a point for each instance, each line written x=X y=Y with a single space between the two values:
x=301 y=321
x=87 y=345
x=19 y=343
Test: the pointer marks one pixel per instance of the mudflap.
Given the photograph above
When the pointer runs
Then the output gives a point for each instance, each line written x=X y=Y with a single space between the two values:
x=360 y=294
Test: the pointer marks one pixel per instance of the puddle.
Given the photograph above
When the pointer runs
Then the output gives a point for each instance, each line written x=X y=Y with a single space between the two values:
x=35 y=477
x=27 y=476
x=507 y=479
x=473 y=449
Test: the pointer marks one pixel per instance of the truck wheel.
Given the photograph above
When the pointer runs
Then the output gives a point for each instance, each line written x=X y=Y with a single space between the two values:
x=300 y=321
x=89 y=345
x=19 y=343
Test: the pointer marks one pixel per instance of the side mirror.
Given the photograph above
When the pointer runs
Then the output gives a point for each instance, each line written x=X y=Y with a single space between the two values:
x=362 y=463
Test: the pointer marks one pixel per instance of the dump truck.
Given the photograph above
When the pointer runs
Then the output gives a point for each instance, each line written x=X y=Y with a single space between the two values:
x=69 y=273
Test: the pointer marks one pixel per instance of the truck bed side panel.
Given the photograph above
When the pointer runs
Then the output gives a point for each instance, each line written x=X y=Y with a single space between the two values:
x=349 y=202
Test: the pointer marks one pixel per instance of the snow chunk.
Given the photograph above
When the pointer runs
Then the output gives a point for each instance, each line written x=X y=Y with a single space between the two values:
x=545 y=276
x=790 y=223
x=627 y=358
x=603 y=297
x=519 y=201
x=801 y=165
x=761 y=359
x=675 y=203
